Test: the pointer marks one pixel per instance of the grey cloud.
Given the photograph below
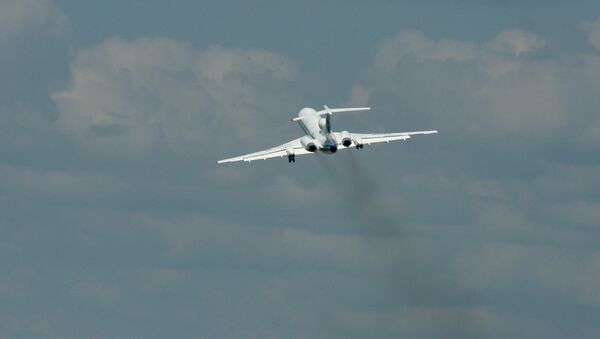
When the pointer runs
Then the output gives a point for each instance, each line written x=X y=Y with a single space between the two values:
x=417 y=322
x=414 y=44
x=593 y=31
x=33 y=63
x=501 y=107
x=524 y=270
x=33 y=49
x=116 y=211
x=517 y=42
x=492 y=92
x=139 y=94
x=19 y=15
x=58 y=184
x=218 y=62
x=95 y=292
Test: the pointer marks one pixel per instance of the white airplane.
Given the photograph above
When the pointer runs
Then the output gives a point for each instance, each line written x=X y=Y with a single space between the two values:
x=319 y=137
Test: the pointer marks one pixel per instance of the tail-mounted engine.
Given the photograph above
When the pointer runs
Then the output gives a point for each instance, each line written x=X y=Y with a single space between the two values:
x=308 y=143
x=345 y=139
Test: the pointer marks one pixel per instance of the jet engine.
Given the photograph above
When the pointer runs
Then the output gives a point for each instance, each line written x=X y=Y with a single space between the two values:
x=322 y=123
x=345 y=139
x=309 y=143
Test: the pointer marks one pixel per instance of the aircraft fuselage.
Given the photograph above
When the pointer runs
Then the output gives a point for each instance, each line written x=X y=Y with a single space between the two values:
x=318 y=128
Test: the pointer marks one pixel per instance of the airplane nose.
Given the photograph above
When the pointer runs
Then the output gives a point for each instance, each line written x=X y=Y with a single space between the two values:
x=333 y=149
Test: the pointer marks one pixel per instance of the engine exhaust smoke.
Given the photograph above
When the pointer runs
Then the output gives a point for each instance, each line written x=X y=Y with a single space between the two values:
x=409 y=269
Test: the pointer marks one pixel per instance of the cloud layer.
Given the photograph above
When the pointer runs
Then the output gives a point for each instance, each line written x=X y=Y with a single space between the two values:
x=142 y=93
x=117 y=223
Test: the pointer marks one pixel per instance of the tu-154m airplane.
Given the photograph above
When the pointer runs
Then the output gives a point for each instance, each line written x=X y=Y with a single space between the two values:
x=319 y=137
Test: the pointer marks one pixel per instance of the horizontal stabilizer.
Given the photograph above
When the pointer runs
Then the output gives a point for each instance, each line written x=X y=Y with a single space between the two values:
x=330 y=111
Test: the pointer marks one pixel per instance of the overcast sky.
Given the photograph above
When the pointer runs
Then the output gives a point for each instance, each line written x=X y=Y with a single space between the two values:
x=115 y=221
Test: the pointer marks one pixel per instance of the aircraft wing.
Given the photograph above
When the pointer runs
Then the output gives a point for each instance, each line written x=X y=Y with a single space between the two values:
x=363 y=138
x=293 y=147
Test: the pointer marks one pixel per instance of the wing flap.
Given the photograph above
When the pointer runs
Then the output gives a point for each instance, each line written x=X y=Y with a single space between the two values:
x=279 y=151
x=368 y=139
x=373 y=140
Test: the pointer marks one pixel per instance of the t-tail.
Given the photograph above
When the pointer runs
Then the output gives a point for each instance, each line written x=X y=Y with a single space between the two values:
x=327 y=112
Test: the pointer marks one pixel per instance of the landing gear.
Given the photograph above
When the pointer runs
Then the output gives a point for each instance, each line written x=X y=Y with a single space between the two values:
x=291 y=158
x=359 y=146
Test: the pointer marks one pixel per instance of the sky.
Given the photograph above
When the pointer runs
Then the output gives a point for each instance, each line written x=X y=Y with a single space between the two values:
x=117 y=223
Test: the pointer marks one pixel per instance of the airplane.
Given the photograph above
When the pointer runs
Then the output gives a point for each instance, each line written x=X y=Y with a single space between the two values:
x=319 y=137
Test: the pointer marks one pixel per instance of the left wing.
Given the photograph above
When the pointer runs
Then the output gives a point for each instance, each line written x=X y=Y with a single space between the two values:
x=293 y=147
x=361 y=139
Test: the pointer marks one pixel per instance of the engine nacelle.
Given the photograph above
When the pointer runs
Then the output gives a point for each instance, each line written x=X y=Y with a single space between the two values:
x=322 y=124
x=345 y=139
x=308 y=143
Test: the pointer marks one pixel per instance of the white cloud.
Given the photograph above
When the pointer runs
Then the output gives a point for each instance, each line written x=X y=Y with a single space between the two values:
x=218 y=62
x=418 y=46
x=517 y=42
x=19 y=15
x=138 y=96
x=483 y=92
x=133 y=95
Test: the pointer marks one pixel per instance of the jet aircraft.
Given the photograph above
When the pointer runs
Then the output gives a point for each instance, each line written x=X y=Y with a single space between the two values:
x=319 y=137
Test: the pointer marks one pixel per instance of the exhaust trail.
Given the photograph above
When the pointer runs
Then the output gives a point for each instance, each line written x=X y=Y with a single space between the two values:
x=410 y=271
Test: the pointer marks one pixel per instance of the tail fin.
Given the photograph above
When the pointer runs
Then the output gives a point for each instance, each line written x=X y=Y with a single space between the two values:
x=329 y=111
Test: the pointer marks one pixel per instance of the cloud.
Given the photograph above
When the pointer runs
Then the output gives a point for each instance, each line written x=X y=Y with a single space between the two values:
x=516 y=270
x=148 y=93
x=593 y=31
x=415 y=322
x=95 y=293
x=34 y=62
x=111 y=206
x=20 y=15
x=503 y=112
x=259 y=245
x=55 y=185
x=415 y=45
x=482 y=90
x=218 y=62
x=33 y=50
x=517 y=42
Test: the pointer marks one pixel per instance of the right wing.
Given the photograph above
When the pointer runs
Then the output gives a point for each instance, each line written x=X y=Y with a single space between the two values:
x=360 y=138
x=293 y=147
